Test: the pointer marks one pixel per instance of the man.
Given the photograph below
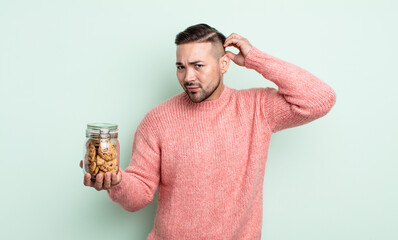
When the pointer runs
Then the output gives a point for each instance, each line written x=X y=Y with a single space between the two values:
x=206 y=148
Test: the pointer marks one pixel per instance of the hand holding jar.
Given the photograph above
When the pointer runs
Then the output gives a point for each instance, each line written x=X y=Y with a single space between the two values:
x=102 y=181
x=101 y=156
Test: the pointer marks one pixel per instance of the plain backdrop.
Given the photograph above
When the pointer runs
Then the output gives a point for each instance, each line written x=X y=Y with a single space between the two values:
x=64 y=64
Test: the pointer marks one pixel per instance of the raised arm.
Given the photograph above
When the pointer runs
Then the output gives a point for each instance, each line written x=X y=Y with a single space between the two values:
x=301 y=97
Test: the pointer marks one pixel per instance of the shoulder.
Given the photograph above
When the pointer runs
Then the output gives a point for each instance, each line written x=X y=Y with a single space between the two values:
x=167 y=106
x=253 y=94
x=165 y=110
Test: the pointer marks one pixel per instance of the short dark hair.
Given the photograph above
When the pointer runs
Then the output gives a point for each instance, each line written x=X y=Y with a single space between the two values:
x=200 y=33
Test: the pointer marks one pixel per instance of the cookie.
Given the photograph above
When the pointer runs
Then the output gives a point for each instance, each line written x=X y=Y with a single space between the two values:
x=96 y=171
x=107 y=150
x=93 y=169
x=100 y=161
x=91 y=152
x=114 y=170
x=109 y=166
x=96 y=142
x=101 y=157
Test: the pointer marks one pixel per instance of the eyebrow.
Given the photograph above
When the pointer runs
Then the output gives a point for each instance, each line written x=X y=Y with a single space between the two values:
x=179 y=63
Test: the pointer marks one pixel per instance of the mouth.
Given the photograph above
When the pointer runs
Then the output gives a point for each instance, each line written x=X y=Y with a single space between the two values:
x=193 y=89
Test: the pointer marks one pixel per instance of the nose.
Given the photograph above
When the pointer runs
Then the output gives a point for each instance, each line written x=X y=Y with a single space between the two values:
x=189 y=75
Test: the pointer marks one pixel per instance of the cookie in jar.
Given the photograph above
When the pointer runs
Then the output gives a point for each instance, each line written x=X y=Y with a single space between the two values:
x=102 y=149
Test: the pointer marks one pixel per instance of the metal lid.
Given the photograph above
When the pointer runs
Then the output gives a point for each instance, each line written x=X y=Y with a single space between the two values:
x=102 y=130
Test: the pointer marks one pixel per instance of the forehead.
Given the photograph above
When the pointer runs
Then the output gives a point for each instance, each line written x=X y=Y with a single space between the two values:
x=194 y=51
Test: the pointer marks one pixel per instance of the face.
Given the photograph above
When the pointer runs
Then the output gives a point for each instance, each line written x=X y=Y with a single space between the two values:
x=199 y=71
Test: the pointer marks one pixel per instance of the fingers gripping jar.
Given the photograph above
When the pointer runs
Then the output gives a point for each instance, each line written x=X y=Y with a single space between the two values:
x=102 y=150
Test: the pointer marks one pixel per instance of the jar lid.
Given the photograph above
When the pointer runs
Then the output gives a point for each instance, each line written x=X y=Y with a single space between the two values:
x=110 y=126
x=98 y=129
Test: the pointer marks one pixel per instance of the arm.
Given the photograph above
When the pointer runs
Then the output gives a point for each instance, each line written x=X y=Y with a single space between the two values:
x=141 y=178
x=301 y=97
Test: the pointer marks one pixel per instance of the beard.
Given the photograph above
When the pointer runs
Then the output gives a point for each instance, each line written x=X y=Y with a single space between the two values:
x=202 y=94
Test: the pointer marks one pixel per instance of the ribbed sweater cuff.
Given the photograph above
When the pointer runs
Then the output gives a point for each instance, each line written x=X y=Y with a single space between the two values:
x=272 y=68
x=255 y=58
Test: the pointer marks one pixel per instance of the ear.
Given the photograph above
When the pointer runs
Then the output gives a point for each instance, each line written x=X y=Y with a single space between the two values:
x=224 y=63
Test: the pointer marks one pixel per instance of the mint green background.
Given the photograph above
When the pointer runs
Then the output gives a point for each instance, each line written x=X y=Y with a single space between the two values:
x=67 y=63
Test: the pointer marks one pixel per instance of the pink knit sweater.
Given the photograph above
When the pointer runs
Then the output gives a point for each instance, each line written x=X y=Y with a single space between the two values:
x=208 y=159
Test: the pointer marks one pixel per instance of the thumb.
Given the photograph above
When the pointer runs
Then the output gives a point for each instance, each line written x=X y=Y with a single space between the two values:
x=236 y=58
x=231 y=55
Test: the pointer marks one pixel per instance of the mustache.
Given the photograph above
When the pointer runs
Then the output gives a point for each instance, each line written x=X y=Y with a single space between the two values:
x=191 y=84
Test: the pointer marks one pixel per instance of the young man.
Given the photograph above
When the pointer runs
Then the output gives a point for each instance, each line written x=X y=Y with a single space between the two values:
x=206 y=148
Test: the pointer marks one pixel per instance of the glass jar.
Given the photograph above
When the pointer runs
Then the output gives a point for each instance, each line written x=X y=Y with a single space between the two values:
x=101 y=151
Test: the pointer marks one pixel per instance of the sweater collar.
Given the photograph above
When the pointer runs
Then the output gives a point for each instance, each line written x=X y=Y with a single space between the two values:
x=211 y=104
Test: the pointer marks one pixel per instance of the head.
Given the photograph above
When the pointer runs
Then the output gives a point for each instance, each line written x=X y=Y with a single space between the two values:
x=201 y=62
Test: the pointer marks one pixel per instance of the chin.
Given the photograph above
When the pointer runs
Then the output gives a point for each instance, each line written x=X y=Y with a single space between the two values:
x=195 y=100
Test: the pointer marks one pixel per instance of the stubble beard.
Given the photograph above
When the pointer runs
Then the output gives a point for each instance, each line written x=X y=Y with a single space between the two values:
x=203 y=94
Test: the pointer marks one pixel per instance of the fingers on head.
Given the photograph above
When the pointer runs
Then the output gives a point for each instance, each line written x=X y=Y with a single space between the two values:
x=235 y=42
x=235 y=35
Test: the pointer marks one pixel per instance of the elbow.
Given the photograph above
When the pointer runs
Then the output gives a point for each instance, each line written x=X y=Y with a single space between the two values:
x=328 y=101
x=318 y=106
x=324 y=103
x=136 y=206
x=132 y=199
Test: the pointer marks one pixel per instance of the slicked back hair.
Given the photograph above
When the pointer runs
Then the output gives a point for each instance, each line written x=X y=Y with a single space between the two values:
x=200 y=33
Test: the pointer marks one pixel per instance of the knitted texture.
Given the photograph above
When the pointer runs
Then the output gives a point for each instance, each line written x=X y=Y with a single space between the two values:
x=208 y=159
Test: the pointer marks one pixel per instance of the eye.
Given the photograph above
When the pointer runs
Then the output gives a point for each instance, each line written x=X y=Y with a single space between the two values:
x=179 y=67
x=200 y=65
